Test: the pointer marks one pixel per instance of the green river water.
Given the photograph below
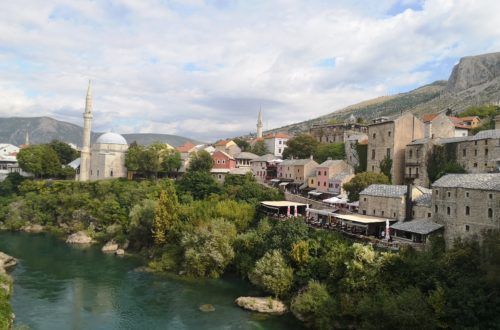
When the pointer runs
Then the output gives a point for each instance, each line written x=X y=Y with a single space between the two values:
x=58 y=286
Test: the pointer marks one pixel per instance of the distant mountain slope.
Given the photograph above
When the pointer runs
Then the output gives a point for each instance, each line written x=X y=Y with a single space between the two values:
x=475 y=80
x=44 y=129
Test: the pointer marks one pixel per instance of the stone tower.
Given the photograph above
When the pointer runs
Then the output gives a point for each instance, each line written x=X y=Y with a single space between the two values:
x=87 y=127
x=259 y=125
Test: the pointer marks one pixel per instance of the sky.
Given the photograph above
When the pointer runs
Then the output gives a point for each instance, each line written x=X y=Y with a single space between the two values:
x=204 y=68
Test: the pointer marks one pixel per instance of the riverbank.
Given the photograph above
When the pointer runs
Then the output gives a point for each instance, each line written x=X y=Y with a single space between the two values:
x=6 y=315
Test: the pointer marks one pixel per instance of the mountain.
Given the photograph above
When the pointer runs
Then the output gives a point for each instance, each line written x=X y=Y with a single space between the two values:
x=44 y=129
x=475 y=80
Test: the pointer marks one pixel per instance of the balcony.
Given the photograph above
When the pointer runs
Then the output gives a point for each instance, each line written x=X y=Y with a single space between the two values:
x=412 y=162
x=411 y=175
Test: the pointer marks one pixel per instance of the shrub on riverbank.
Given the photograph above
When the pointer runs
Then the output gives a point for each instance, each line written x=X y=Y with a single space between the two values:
x=5 y=308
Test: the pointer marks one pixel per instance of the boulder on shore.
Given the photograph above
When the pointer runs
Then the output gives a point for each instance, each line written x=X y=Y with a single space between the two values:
x=6 y=261
x=35 y=228
x=110 y=247
x=79 y=238
x=262 y=305
x=120 y=252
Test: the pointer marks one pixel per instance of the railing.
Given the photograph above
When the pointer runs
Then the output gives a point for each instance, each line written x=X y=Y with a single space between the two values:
x=411 y=175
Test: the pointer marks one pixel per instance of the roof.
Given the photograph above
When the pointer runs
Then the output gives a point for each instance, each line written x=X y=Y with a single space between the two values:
x=219 y=170
x=429 y=117
x=385 y=190
x=418 y=226
x=424 y=200
x=246 y=155
x=265 y=158
x=277 y=136
x=300 y=162
x=75 y=164
x=365 y=219
x=222 y=142
x=186 y=147
x=281 y=203
x=111 y=138
x=458 y=122
x=487 y=134
x=357 y=137
x=470 y=118
x=480 y=181
x=419 y=141
x=341 y=176
x=330 y=162
x=453 y=139
x=224 y=153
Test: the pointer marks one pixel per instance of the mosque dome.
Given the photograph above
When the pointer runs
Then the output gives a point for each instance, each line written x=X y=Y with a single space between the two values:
x=111 y=138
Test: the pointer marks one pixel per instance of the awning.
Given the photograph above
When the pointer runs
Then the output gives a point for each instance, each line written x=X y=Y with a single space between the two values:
x=303 y=186
x=281 y=204
x=322 y=212
x=283 y=184
x=315 y=193
x=275 y=180
x=364 y=219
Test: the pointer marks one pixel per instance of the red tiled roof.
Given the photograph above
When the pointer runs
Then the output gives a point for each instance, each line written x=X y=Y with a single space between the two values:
x=429 y=117
x=186 y=147
x=277 y=136
x=222 y=143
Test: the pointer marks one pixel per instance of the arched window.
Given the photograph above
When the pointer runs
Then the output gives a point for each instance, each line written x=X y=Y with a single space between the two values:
x=435 y=208
x=490 y=213
x=467 y=210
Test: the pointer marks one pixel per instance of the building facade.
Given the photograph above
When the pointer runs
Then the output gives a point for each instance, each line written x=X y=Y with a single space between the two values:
x=326 y=171
x=107 y=157
x=337 y=133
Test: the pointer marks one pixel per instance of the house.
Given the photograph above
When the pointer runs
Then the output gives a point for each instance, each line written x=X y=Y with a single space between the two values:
x=387 y=139
x=336 y=184
x=243 y=159
x=415 y=231
x=479 y=153
x=466 y=204
x=186 y=148
x=276 y=143
x=389 y=201
x=337 y=133
x=223 y=160
x=8 y=161
x=228 y=146
x=285 y=169
x=220 y=174
x=264 y=168
x=326 y=171
x=302 y=169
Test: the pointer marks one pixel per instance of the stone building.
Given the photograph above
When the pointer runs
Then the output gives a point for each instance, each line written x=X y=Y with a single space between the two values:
x=351 y=153
x=390 y=201
x=480 y=153
x=336 y=184
x=466 y=204
x=388 y=138
x=243 y=159
x=297 y=170
x=337 y=133
x=264 y=167
x=107 y=157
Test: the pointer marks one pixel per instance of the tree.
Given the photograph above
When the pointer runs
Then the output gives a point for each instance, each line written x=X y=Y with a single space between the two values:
x=171 y=162
x=329 y=150
x=133 y=157
x=302 y=146
x=166 y=214
x=64 y=152
x=201 y=161
x=363 y=180
x=272 y=274
x=243 y=144
x=198 y=184
x=386 y=167
x=208 y=249
x=441 y=160
x=141 y=223
x=260 y=148
x=40 y=159
x=312 y=305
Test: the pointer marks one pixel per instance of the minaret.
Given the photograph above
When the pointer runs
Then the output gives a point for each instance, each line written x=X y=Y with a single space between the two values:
x=27 y=139
x=259 y=125
x=87 y=127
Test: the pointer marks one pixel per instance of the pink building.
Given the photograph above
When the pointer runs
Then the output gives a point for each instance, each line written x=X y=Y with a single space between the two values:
x=222 y=160
x=326 y=171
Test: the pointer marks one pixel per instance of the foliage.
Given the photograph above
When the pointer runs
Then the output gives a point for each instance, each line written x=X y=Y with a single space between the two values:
x=40 y=160
x=171 y=162
x=208 y=248
x=199 y=184
x=313 y=304
x=483 y=111
x=272 y=274
x=362 y=152
x=148 y=161
x=302 y=146
x=329 y=150
x=5 y=308
x=166 y=214
x=363 y=180
x=64 y=152
x=245 y=188
x=386 y=167
x=441 y=160
x=10 y=185
x=260 y=148
x=200 y=161
x=243 y=144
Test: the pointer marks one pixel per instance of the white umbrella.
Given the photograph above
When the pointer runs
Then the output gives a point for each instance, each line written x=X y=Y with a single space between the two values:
x=387 y=229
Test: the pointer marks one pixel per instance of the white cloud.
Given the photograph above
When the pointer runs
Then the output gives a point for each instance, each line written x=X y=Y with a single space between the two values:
x=202 y=68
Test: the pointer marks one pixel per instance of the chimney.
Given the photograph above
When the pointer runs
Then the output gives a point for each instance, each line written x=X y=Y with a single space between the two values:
x=428 y=129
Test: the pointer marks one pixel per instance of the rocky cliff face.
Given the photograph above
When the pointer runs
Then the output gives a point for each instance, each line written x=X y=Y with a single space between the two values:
x=473 y=71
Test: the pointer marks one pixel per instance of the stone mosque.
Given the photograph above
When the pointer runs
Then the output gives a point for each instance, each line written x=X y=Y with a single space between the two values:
x=105 y=159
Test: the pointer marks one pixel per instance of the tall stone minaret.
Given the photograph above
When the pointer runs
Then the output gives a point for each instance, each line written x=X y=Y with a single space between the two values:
x=87 y=127
x=259 y=125
x=27 y=139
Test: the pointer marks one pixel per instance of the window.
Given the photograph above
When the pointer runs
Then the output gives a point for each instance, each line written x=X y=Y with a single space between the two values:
x=374 y=135
x=319 y=183
x=464 y=152
x=428 y=214
x=466 y=194
x=475 y=143
x=448 y=210
x=475 y=164
x=410 y=154
x=437 y=192
x=475 y=152
x=373 y=168
x=467 y=227
x=111 y=173
x=394 y=214
x=486 y=152
x=280 y=142
x=388 y=152
x=486 y=142
x=373 y=154
x=324 y=184
x=364 y=212
x=97 y=172
x=490 y=196
x=490 y=213
x=374 y=212
x=389 y=133
x=435 y=209
x=364 y=199
x=449 y=193
x=382 y=213
x=418 y=153
x=467 y=210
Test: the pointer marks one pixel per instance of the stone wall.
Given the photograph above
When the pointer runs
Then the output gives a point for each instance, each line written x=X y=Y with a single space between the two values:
x=390 y=207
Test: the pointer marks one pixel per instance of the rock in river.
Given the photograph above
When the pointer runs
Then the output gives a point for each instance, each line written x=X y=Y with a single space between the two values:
x=120 y=252
x=110 y=247
x=79 y=238
x=207 y=308
x=262 y=305
x=6 y=261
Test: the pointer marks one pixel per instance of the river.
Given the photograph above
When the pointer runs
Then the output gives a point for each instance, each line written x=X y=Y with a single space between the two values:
x=58 y=286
